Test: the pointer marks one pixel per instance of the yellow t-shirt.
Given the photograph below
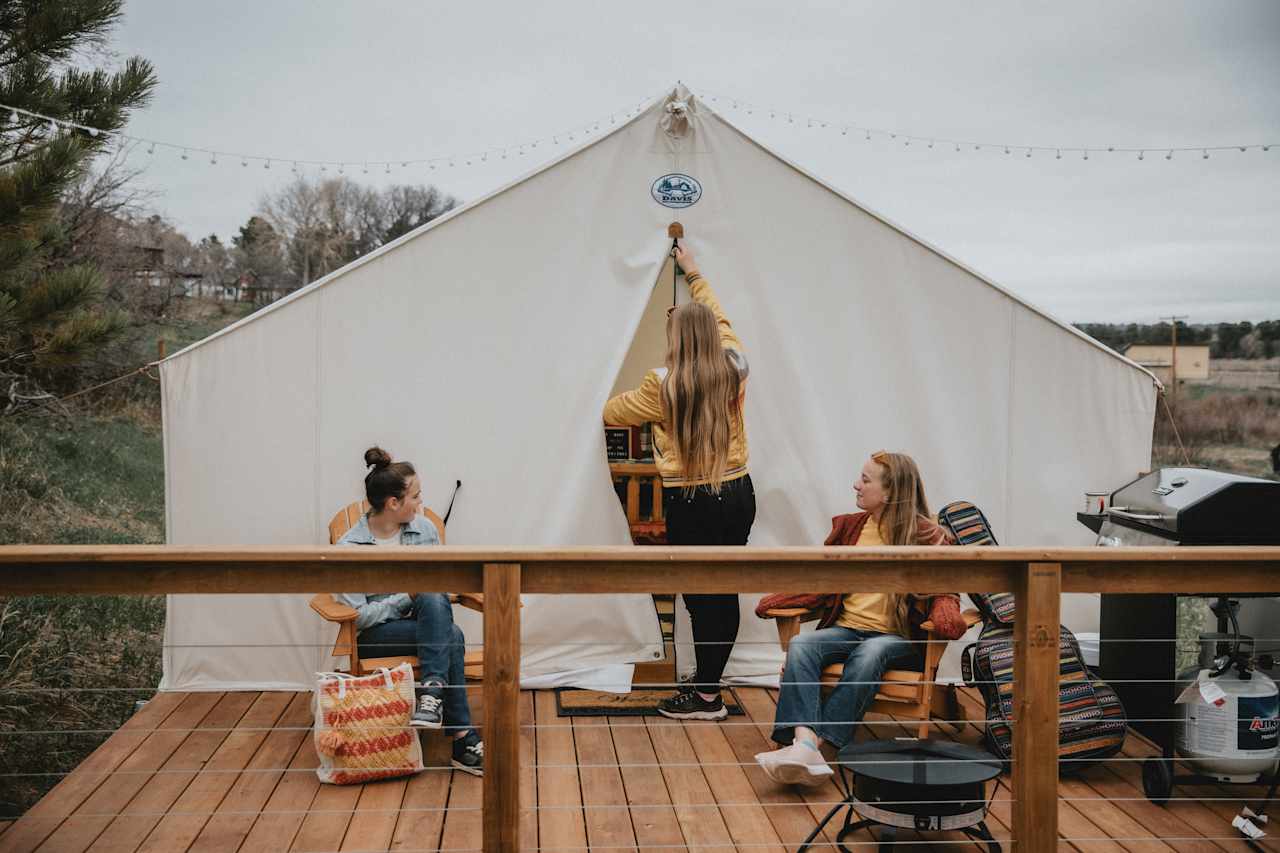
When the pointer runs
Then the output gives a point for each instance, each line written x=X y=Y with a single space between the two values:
x=872 y=611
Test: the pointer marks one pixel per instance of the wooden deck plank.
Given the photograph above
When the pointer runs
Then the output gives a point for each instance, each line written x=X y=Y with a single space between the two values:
x=652 y=818
x=190 y=811
x=234 y=816
x=277 y=825
x=671 y=805
x=43 y=818
x=160 y=793
x=463 y=822
x=115 y=791
x=790 y=815
x=1072 y=820
x=374 y=822
x=1221 y=801
x=761 y=705
x=747 y=820
x=603 y=796
x=560 y=819
x=325 y=824
x=700 y=821
x=528 y=771
x=426 y=796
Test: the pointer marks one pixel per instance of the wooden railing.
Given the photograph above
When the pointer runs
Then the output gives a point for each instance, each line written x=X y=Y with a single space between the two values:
x=1036 y=576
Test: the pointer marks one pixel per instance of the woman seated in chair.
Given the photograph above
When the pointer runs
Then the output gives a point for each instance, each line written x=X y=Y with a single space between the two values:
x=413 y=624
x=869 y=632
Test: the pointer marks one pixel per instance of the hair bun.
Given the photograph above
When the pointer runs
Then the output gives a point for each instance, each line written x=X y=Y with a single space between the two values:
x=377 y=458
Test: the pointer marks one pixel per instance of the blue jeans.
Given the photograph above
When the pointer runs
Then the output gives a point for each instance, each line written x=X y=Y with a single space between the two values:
x=430 y=635
x=866 y=656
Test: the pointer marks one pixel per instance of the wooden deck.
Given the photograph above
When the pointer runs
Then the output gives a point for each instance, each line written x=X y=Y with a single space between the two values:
x=202 y=771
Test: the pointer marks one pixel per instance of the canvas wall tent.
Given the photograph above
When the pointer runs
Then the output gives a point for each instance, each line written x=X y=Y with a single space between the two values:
x=484 y=345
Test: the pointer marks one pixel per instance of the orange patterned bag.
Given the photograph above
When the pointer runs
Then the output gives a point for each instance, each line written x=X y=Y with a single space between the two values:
x=362 y=727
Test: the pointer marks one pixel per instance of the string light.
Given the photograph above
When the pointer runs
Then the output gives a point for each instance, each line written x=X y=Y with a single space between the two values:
x=867 y=132
x=56 y=126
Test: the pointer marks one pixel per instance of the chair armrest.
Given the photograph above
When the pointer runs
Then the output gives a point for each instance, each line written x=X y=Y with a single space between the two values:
x=971 y=617
x=333 y=611
x=804 y=614
x=470 y=600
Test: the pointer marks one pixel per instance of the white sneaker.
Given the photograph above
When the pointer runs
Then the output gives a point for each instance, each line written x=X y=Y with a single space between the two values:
x=798 y=764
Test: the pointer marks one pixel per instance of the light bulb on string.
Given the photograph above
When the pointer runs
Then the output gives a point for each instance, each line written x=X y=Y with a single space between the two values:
x=868 y=136
x=1169 y=156
x=387 y=170
x=1086 y=154
x=184 y=154
x=844 y=132
x=152 y=148
x=342 y=169
x=53 y=126
x=365 y=170
x=1266 y=148
x=1141 y=155
x=1028 y=153
x=930 y=143
x=1110 y=148
x=1243 y=149
x=323 y=168
x=13 y=116
x=294 y=168
x=957 y=147
x=267 y=165
x=244 y=162
x=977 y=148
x=1006 y=149
x=93 y=131
x=1058 y=156
x=213 y=159
x=1205 y=152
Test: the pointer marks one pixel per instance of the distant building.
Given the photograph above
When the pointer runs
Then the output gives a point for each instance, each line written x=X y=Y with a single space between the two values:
x=1193 y=360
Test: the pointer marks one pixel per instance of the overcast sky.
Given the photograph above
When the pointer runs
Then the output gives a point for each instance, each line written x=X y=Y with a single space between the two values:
x=1111 y=239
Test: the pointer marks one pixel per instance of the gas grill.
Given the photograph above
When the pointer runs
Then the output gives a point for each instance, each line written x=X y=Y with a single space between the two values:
x=1171 y=506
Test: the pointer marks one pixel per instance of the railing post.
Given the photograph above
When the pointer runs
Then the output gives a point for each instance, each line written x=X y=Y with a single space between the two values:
x=501 y=707
x=1038 y=592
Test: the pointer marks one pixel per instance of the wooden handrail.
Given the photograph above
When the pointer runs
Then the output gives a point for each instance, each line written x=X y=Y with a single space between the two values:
x=1037 y=577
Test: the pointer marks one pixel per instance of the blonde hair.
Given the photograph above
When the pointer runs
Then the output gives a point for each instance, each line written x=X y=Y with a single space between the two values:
x=904 y=499
x=700 y=394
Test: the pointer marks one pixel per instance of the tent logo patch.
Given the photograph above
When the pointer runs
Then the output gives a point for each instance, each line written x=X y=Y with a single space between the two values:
x=676 y=190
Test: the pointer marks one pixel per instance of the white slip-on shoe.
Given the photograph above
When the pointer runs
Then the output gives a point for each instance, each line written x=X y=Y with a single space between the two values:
x=798 y=764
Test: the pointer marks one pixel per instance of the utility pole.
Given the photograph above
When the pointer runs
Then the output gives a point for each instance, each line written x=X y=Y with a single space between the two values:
x=1173 y=371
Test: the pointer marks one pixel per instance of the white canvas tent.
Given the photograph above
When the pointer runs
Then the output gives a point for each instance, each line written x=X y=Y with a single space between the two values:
x=483 y=346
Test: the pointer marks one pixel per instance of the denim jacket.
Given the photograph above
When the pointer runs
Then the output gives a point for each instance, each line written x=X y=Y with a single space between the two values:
x=376 y=608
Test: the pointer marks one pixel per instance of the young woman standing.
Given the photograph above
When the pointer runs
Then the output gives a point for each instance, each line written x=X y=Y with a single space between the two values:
x=695 y=403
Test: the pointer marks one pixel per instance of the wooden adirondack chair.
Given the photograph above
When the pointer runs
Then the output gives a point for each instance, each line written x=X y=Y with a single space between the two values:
x=904 y=693
x=345 y=617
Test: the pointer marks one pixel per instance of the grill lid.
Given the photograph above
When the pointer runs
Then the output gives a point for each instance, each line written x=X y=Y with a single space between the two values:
x=1200 y=506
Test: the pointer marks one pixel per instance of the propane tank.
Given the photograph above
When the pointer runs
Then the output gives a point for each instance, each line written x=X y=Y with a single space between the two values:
x=1235 y=741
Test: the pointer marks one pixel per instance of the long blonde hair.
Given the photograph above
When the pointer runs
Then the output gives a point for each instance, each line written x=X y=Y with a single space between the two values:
x=904 y=499
x=700 y=394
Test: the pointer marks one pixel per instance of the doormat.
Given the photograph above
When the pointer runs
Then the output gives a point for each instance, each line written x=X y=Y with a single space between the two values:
x=574 y=702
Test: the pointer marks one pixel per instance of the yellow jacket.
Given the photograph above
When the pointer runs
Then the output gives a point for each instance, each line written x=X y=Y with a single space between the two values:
x=644 y=404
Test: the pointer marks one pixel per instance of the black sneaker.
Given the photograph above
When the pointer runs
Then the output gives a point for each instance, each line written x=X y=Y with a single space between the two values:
x=468 y=753
x=430 y=711
x=688 y=705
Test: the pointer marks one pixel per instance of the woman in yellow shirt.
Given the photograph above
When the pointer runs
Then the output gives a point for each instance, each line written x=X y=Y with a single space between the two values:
x=869 y=632
x=700 y=446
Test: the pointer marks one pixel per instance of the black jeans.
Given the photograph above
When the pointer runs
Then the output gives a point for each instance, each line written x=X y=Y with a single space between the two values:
x=705 y=518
